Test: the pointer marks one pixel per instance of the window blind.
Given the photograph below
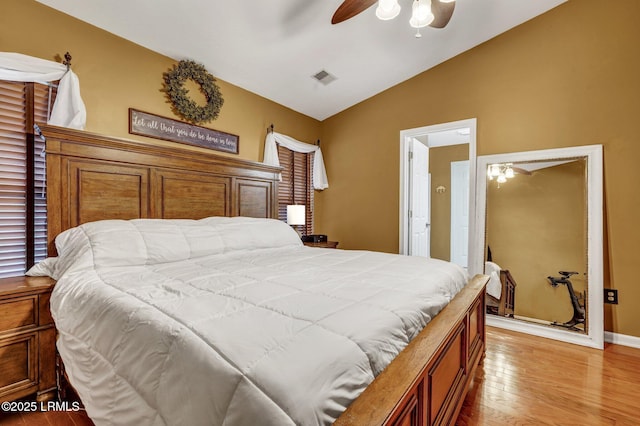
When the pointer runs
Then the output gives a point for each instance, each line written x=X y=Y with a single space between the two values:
x=23 y=234
x=42 y=103
x=296 y=186
x=13 y=179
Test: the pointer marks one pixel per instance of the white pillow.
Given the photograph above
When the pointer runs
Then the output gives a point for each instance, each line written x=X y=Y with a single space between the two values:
x=242 y=233
x=44 y=268
x=151 y=241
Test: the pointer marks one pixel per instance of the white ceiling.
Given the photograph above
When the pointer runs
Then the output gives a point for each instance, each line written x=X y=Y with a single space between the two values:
x=272 y=48
x=538 y=165
x=446 y=138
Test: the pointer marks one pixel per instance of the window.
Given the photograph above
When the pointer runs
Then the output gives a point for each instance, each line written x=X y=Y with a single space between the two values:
x=296 y=186
x=23 y=202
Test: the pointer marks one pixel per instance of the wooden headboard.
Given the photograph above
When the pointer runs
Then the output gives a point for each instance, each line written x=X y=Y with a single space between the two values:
x=92 y=177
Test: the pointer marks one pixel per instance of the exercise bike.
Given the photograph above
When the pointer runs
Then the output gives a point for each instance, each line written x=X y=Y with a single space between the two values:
x=578 y=308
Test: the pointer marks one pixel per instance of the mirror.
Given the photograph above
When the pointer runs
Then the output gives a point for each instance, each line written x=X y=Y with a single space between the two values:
x=539 y=238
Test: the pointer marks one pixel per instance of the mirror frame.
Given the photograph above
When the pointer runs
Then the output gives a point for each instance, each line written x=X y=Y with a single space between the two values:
x=594 y=336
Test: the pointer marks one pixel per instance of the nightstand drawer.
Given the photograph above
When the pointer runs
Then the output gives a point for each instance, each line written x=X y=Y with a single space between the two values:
x=18 y=312
x=18 y=363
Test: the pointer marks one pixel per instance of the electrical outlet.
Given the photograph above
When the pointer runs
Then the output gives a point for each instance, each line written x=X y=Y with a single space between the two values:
x=611 y=296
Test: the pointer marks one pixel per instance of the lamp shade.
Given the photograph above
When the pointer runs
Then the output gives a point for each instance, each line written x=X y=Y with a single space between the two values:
x=296 y=214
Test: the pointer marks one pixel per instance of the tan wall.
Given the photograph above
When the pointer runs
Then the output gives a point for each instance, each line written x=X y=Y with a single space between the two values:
x=440 y=159
x=566 y=78
x=116 y=74
x=536 y=226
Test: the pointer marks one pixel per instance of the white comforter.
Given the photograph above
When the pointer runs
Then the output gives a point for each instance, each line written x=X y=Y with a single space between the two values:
x=231 y=320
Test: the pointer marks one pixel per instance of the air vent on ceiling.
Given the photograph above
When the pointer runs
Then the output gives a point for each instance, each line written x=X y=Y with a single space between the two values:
x=324 y=77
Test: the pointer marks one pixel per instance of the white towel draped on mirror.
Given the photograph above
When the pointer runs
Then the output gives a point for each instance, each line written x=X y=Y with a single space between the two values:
x=68 y=109
x=320 y=180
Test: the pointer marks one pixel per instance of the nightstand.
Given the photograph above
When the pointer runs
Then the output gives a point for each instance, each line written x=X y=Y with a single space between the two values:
x=27 y=339
x=323 y=244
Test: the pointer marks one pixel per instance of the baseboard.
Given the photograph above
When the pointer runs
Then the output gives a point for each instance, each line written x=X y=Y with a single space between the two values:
x=622 y=339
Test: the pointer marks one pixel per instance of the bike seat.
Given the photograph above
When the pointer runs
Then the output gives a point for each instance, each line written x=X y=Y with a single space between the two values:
x=567 y=274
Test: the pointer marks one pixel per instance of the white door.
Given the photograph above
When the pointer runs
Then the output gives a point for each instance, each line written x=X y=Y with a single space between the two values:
x=419 y=200
x=460 y=212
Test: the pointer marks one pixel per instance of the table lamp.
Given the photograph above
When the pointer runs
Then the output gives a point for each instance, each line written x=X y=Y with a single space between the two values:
x=296 y=216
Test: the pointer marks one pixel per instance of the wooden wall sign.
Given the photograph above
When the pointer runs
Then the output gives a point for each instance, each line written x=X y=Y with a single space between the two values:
x=154 y=126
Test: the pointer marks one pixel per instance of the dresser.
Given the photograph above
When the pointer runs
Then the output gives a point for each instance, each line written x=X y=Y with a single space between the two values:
x=27 y=339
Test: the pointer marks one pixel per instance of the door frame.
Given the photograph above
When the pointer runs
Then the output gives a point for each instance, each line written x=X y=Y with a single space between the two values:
x=405 y=178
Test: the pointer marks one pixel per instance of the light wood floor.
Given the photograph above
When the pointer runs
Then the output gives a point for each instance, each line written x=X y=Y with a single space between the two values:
x=50 y=418
x=524 y=380
x=528 y=380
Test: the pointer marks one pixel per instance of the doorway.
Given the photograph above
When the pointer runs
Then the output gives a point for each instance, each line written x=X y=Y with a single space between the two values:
x=435 y=137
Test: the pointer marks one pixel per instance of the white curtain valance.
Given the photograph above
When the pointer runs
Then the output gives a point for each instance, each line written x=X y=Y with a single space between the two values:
x=68 y=109
x=273 y=139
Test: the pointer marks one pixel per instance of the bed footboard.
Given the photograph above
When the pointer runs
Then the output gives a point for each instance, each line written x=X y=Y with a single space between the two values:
x=428 y=381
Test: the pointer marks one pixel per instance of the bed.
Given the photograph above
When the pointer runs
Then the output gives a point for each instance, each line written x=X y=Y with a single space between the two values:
x=314 y=360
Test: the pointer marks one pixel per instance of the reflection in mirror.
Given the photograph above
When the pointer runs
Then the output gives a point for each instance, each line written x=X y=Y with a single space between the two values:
x=449 y=171
x=550 y=198
x=539 y=238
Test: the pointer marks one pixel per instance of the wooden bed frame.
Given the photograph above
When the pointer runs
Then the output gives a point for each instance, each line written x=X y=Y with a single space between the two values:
x=92 y=177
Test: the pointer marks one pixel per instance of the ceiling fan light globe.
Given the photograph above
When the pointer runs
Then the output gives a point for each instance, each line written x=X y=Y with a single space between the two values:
x=420 y=23
x=387 y=9
x=501 y=178
x=421 y=14
x=421 y=9
x=509 y=172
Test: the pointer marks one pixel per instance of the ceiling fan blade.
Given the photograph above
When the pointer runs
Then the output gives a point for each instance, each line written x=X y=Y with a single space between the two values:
x=442 y=12
x=350 y=8
x=521 y=171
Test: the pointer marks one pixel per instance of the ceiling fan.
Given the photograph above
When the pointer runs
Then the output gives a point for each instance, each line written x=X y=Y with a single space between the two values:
x=434 y=13
x=505 y=171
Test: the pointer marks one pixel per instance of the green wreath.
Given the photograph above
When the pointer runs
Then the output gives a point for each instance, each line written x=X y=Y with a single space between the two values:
x=181 y=104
